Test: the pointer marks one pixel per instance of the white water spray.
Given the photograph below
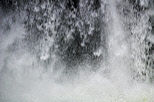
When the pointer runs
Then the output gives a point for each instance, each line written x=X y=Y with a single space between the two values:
x=24 y=78
x=118 y=48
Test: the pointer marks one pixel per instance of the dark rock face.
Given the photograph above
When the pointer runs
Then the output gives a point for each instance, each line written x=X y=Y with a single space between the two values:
x=151 y=50
x=138 y=6
x=81 y=46
x=76 y=31
x=7 y=5
x=71 y=4
x=12 y=5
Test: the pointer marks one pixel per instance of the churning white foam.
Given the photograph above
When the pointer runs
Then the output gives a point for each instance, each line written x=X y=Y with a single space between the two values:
x=24 y=79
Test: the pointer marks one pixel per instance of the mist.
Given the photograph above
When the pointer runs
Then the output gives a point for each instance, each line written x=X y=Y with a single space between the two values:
x=76 y=51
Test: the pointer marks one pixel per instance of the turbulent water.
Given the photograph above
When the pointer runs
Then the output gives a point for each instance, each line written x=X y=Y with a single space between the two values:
x=77 y=51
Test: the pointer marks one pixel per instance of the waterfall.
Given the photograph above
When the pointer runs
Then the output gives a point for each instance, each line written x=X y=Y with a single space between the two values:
x=118 y=48
x=76 y=51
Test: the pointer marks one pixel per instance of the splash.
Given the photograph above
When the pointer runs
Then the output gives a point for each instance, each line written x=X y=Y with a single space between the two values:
x=95 y=54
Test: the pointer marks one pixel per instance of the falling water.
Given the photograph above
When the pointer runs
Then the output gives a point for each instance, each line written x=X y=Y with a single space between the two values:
x=76 y=51
x=118 y=48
